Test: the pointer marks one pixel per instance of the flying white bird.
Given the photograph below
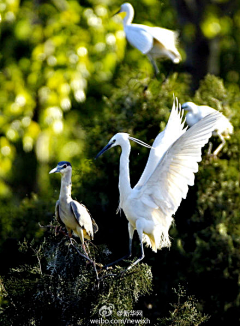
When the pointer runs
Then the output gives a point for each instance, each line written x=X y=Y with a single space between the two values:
x=69 y=212
x=155 y=42
x=195 y=113
x=169 y=171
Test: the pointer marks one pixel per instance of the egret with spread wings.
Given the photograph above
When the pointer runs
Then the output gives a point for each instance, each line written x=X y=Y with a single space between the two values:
x=169 y=171
x=155 y=42
x=69 y=212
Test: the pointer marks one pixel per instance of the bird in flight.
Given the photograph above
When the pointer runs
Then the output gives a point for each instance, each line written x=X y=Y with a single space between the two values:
x=170 y=169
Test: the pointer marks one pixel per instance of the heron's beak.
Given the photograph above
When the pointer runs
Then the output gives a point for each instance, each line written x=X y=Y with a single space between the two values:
x=55 y=170
x=184 y=107
x=109 y=145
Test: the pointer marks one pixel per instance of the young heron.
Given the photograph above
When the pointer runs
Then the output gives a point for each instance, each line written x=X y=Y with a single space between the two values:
x=195 y=113
x=71 y=213
x=155 y=42
x=169 y=171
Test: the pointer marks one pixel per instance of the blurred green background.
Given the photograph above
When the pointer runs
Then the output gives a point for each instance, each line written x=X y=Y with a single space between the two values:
x=69 y=81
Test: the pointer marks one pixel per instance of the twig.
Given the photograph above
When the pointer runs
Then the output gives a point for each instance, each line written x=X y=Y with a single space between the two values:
x=78 y=251
x=9 y=296
x=105 y=276
x=39 y=260
x=54 y=227
x=90 y=260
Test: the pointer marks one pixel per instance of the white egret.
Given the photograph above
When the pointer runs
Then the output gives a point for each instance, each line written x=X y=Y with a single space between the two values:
x=195 y=113
x=69 y=212
x=169 y=171
x=155 y=42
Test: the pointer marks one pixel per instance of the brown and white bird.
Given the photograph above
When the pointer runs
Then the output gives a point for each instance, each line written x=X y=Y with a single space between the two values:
x=69 y=212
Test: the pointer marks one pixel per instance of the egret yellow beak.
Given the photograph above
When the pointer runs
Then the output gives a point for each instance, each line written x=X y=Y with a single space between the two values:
x=121 y=13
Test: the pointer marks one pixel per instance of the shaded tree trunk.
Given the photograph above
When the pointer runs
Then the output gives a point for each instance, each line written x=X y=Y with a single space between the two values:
x=197 y=47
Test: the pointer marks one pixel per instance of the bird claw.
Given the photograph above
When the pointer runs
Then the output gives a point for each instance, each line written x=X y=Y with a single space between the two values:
x=213 y=156
x=99 y=265
x=58 y=229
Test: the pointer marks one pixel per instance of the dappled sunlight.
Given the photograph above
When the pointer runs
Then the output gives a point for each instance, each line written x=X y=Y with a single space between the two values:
x=53 y=75
x=69 y=81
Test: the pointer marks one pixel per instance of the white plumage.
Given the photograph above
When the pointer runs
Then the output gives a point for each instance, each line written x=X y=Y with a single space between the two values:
x=195 y=113
x=169 y=171
x=155 y=42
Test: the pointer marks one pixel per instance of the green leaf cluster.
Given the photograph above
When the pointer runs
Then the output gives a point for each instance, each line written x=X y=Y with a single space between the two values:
x=184 y=313
x=60 y=286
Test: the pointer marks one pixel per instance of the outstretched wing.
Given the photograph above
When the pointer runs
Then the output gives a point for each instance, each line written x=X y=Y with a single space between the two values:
x=168 y=184
x=82 y=216
x=174 y=130
x=204 y=110
x=223 y=126
x=138 y=37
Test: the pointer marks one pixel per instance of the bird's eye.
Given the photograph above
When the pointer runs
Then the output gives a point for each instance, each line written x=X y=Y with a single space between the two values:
x=65 y=165
x=114 y=141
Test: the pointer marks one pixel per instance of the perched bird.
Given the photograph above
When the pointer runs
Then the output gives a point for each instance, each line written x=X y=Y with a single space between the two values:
x=223 y=129
x=169 y=171
x=69 y=212
x=155 y=42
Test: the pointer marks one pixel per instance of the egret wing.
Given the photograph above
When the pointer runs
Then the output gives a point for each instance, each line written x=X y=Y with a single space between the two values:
x=223 y=125
x=164 y=36
x=204 y=110
x=57 y=213
x=82 y=216
x=168 y=184
x=138 y=37
x=174 y=129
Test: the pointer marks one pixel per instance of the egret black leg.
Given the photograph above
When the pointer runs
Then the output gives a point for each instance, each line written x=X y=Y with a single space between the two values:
x=168 y=73
x=155 y=67
x=124 y=257
x=209 y=149
x=139 y=228
x=218 y=149
x=140 y=258
x=130 y=232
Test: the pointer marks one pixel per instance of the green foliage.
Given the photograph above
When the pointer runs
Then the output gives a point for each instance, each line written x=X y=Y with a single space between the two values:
x=61 y=283
x=205 y=239
x=22 y=221
x=185 y=313
x=206 y=234
x=138 y=101
x=50 y=51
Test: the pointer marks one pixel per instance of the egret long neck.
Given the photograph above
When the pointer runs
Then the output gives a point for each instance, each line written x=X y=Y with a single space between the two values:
x=127 y=20
x=66 y=185
x=124 y=178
